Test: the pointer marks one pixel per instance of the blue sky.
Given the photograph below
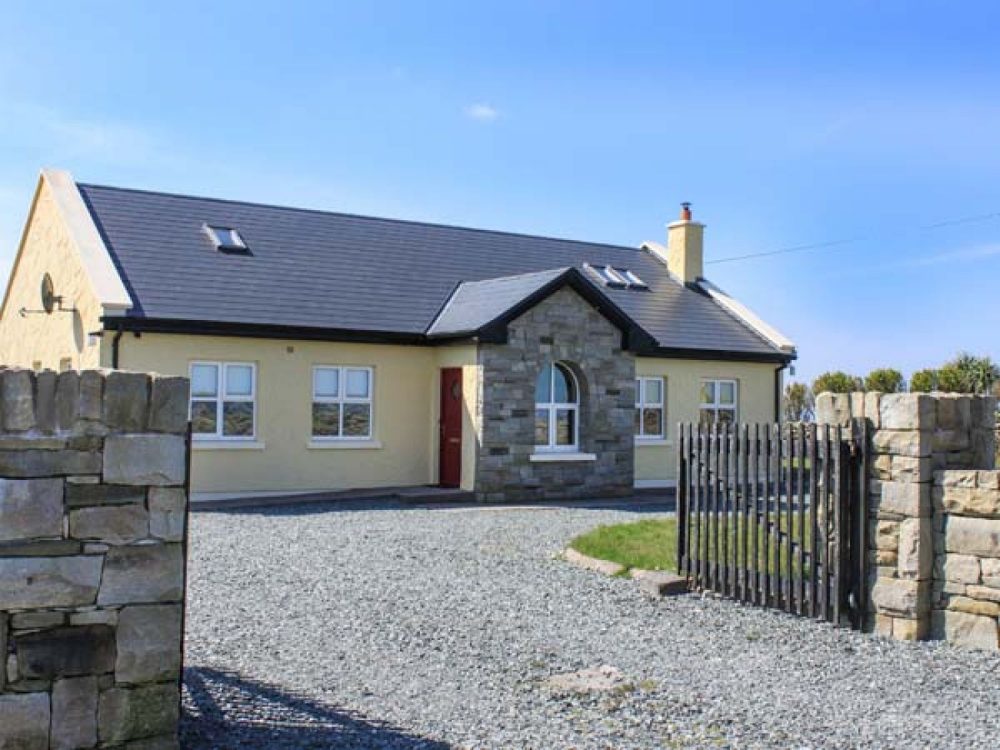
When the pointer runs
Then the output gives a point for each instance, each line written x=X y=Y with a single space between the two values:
x=784 y=123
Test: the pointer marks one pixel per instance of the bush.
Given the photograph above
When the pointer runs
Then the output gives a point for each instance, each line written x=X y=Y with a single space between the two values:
x=886 y=380
x=836 y=382
x=924 y=381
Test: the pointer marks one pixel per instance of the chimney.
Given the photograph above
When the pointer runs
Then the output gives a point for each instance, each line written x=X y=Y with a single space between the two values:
x=685 y=247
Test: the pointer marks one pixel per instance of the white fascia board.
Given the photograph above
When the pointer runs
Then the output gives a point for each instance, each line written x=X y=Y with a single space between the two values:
x=750 y=318
x=94 y=255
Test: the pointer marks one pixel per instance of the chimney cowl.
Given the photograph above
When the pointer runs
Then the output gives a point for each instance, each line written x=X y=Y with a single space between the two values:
x=686 y=211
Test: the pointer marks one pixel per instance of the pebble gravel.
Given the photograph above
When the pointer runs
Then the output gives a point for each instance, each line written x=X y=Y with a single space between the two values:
x=380 y=626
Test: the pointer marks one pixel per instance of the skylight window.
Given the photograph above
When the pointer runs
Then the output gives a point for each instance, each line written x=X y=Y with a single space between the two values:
x=618 y=278
x=226 y=238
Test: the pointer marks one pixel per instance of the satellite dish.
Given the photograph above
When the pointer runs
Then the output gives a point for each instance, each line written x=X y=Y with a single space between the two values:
x=49 y=298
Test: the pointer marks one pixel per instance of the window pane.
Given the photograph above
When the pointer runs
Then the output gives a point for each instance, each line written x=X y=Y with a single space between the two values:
x=727 y=415
x=357 y=385
x=727 y=393
x=565 y=426
x=237 y=418
x=638 y=391
x=239 y=380
x=357 y=420
x=562 y=391
x=326 y=382
x=706 y=416
x=204 y=380
x=652 y=421
x=203 y=417
x=326 y=420
x=541 y=426
x=543 y=388
x=654 y=391
x=708 y=392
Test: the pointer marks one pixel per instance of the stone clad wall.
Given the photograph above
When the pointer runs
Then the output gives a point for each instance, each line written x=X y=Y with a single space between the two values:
x=562 y=328
x=918 y=442
x=93 y=511
x=966 y=596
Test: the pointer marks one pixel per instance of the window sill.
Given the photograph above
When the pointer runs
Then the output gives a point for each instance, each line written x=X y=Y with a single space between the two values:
x=227 y=445
x=326 y=445
x=644 y=441
x=550 y=456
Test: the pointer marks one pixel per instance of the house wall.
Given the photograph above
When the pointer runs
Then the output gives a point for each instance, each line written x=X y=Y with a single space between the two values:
x=564 y=328
x=47 y=339
x=403 y=450
x=656 y=460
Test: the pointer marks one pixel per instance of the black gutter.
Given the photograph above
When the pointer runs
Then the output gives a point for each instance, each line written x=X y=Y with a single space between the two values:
x=777 y=392
x=114 y=347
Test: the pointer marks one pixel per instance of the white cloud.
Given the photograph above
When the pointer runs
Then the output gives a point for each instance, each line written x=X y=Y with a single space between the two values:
x=482 y=112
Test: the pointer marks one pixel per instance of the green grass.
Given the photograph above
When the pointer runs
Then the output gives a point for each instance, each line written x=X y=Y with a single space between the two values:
x=649 y=545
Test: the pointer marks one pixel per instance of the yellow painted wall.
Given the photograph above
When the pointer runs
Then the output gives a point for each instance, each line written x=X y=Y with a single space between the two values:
x=46 y=339
x=406 y=382
x=658 y=462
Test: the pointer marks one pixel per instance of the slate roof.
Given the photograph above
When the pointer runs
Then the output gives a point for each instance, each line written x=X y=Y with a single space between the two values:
x=319 y=270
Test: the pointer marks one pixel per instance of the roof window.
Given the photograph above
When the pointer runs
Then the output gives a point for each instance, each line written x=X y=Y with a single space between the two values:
x=226 y=239
x=617 y=278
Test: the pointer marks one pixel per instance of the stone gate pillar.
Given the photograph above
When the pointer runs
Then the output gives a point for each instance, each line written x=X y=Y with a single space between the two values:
x=914 y=435
x=93 y=511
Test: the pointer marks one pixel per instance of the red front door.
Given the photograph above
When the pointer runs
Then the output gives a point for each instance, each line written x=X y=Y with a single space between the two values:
x=451 y=427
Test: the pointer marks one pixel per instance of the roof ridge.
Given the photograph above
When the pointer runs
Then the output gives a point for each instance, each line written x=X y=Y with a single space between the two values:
x=412 y=222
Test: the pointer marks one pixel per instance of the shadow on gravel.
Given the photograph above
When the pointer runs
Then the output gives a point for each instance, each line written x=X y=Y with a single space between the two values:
x=225 y=710
x=640 y=505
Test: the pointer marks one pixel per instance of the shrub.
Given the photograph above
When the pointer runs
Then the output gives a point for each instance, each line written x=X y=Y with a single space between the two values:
x=924 y=381
x=885 y=379
x=797 y=403
x=836 y=382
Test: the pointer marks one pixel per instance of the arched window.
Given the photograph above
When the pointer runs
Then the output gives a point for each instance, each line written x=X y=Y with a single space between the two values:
x=557 y=409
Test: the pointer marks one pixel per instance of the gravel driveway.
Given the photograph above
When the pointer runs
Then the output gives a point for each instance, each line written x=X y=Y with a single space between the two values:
x=387 y=627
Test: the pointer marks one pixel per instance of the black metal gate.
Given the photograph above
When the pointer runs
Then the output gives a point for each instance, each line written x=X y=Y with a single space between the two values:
x=774 y=515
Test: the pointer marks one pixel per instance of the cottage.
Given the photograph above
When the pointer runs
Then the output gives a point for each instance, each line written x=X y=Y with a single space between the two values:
x=331 y=351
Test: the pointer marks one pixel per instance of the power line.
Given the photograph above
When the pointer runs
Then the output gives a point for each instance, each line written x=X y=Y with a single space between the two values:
x=849 y=241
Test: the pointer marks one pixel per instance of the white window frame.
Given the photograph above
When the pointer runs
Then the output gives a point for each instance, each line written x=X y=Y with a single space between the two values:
x=221 y=397
x=213 y=234
x=342 y=398
x=716 y=406
x=553 y=408
x=642 y=402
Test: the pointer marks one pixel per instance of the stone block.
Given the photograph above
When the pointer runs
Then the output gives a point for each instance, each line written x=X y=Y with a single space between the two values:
x=974 y=606
x=963 y=629
x=909 y=629
x=30 y=508
x=906 y=499
x=956 y=478
x=916 y=553
x=916 y=443
x=901 y=597
x=991 y=572
x=114 y=524
x=883 y=625
x=74 y=713
x=149 y=643
x=41 y=548
x=907 y=411
x=126 y=396
x=910 y=469
x=143 y=574
x=83 y=495
x=973 y=536
x=873 y=405
x=969 y=501
x=95 y=617
x=833 y=409
x=986 y=593
x=949 y=441
x=130 y=714
x=168 y=405
x=887 y=536
x=37 y=582
x=988 y=480
x=983 y=412
x=48 y=463
x=167 y=513
x=660 y=582
x=45 y=401
x=17 y=400
x=91 y=403
x=959 y=568
x=65 y=652
x=145 y=459
x=67 y=399
x=953 y=412
x=33 y=620
x=24 y=721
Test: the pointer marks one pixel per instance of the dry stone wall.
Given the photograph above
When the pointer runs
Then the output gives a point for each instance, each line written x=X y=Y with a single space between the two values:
x=929 y=453
x=93 y=512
